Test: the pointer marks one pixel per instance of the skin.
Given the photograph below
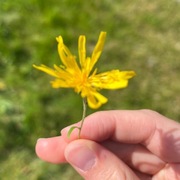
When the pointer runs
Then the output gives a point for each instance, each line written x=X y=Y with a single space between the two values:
x=119 y=144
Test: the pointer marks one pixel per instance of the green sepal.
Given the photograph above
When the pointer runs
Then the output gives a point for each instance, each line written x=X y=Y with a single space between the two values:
x=71 y=129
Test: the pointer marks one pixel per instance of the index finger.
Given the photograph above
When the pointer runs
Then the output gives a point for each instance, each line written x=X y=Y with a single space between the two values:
x=157 y=133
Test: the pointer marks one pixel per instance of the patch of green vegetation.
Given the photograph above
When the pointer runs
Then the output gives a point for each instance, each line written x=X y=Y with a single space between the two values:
x=141 y=36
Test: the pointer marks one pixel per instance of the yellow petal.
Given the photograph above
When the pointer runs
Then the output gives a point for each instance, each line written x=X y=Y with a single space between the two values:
x=60 y=83
x=64 y=52
x=114 y=79
x=46 y=70
x=95 y=100
x=67 y=58
x=82 y=50
x=98 y=49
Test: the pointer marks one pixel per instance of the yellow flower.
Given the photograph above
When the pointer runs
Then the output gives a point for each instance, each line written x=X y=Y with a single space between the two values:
x=81 y=76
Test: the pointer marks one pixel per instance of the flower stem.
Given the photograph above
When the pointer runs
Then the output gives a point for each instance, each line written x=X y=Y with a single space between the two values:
x=82 y=120
x=83 y=116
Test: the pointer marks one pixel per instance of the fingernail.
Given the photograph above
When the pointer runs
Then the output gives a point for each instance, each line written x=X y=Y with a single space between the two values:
x=81 y=157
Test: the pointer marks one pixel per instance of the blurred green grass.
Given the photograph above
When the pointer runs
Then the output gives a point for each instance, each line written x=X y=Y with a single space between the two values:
x=141 y=36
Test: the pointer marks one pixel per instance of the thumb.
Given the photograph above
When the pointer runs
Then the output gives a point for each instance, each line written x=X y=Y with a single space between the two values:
x=92 y=161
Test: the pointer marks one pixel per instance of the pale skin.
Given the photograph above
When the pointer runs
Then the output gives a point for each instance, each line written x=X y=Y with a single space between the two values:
x=119 y=144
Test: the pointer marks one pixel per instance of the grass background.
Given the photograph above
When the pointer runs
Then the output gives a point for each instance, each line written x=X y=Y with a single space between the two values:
x=141 y=35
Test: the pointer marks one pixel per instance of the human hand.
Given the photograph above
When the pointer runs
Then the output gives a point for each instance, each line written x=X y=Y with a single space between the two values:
x=139 y=144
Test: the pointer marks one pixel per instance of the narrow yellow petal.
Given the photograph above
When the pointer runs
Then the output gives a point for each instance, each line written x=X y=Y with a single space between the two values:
x=67 y=58
x=114 y=79
x=96 y=100
x=82 y=50
x=87 y=66
x=98 y=49
x=46 y=70
x=62 y=73
x=64 y=52
x=60 y=83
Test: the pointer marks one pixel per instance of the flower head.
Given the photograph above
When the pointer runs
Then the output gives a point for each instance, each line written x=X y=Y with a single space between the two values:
x=81 y=76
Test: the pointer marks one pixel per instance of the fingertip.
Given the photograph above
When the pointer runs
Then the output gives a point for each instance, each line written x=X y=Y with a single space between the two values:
x=40 y=144
x=51 y=149
x=41 y=147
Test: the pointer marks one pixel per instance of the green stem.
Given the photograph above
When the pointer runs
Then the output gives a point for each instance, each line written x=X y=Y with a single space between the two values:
x=82 y=121
x=83 y=116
